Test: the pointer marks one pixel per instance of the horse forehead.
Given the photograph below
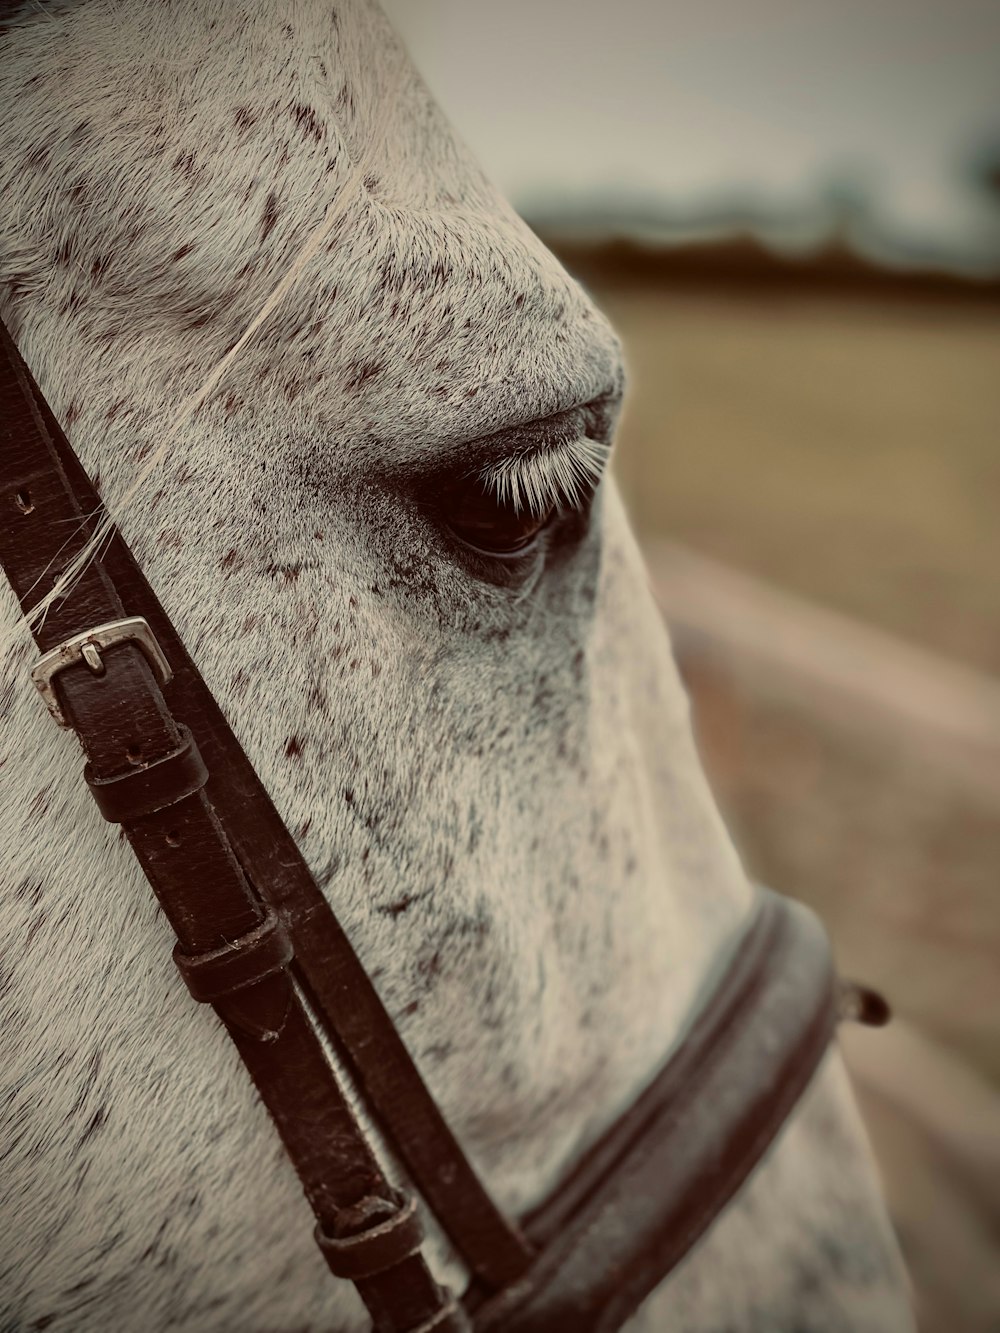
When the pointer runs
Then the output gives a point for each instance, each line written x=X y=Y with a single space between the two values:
x=444 y=337
x=429 y=301
x=429 y=311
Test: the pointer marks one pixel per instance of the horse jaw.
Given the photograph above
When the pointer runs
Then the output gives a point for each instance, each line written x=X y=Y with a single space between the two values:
x=500 y=794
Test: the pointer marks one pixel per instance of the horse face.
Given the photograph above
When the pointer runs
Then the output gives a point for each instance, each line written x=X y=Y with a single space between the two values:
x=440 y=655
x=458 y=692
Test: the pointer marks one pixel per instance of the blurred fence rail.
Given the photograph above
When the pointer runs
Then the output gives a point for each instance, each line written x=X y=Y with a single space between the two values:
x=848 y=674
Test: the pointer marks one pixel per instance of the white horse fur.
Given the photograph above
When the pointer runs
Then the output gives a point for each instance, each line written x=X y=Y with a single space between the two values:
x=494 y=781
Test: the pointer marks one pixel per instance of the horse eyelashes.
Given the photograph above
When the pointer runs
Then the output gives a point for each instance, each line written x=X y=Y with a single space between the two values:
x=562 y=476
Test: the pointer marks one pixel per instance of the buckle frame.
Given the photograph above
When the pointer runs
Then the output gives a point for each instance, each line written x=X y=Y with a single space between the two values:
x=86 y=647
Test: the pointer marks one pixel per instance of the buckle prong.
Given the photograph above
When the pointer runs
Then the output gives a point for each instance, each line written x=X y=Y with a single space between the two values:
x=86 y=647
x=92 y=657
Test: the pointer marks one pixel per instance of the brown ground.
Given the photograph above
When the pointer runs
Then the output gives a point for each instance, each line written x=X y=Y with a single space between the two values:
x=850 y=453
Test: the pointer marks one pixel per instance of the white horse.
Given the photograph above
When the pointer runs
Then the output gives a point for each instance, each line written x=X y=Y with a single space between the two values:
x=485 y=757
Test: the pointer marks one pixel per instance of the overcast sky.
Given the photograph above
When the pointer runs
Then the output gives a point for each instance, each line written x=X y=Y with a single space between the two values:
x=685 y=102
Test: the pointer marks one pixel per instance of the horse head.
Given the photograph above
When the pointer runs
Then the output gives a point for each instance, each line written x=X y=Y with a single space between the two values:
x=384 y=525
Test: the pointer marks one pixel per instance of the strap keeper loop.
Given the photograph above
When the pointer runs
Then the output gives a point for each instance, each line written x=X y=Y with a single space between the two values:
x=142 y=791
x=258 y=954
x=379 y=1246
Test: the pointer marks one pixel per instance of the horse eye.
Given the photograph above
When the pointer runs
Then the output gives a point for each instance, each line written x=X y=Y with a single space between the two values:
x=487 y=523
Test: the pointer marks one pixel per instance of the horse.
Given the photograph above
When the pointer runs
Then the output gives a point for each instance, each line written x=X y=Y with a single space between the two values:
x=383 y=524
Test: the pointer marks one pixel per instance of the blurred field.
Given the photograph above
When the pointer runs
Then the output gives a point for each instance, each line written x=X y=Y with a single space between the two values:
x=847 y=450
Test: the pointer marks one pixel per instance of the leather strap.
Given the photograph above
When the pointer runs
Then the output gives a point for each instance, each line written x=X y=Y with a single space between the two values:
x=327 y=968
x=158 y=785
x=647 y=1191
x=129 y=730
x=382 y=1244
x=238 y=963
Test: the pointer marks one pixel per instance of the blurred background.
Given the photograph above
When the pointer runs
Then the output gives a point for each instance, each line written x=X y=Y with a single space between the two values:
x=791 y=212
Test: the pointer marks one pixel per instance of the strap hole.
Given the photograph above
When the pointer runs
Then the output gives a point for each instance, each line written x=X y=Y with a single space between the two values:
x=23 y=501
x=173 y=839
x=133 y=754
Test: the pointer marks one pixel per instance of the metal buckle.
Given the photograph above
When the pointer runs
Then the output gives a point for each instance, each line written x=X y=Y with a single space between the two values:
x=86 y=647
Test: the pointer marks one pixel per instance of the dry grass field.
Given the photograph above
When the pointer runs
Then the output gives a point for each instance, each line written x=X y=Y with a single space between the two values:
x=847 y=451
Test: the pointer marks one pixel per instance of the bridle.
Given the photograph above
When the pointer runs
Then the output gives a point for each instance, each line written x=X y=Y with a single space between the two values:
x=257 y=939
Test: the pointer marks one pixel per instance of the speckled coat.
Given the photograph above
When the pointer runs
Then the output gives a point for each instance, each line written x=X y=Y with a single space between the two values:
x=492 y=776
